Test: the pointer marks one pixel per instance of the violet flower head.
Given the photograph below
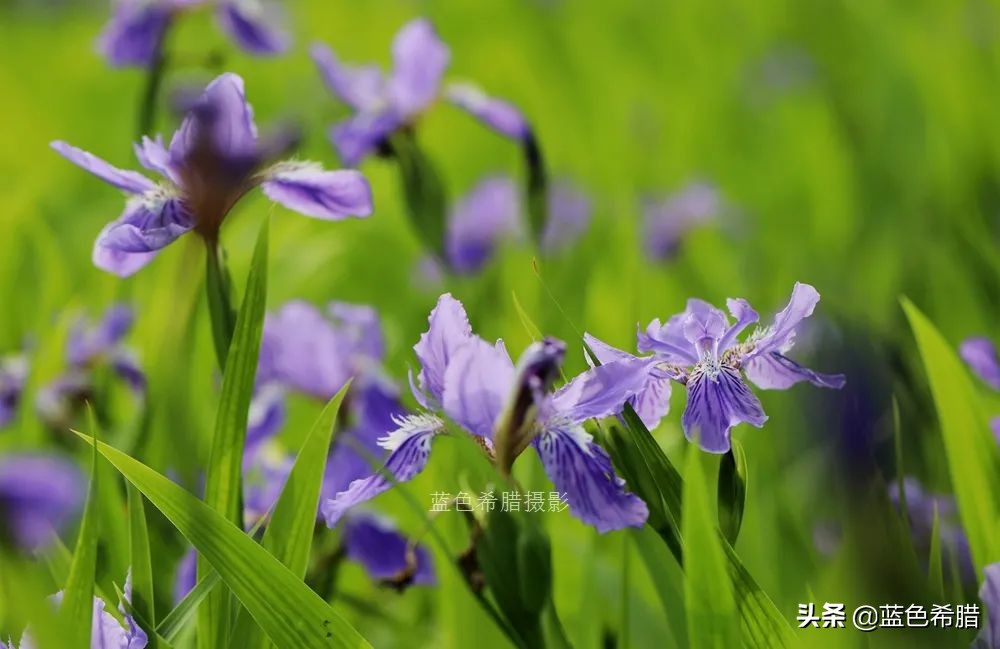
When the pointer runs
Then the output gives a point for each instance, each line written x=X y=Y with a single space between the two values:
x=135 y=34
x=666 y=222
x=497 y=114
x=700 y=349
x=91 y=345
x=476 y=385
x=480 y=221
x=989 y=636
x=387 y=556
x=569 y=215
x=981 y=356
x=13 y=378
x=213 y=159
x=382 y=103
x=39 y=495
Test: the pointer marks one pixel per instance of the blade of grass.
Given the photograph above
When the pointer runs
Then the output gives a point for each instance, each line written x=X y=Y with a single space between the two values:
x=286 y=609
x=76 y=609
x=143 y=601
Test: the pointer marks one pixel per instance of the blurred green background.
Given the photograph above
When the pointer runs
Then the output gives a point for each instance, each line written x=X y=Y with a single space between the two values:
x=857 y=144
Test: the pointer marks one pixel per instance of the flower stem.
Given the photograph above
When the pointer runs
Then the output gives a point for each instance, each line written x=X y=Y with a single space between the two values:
x=536 y=186
x=219 y=291
x=151 y=93
x=423 y=191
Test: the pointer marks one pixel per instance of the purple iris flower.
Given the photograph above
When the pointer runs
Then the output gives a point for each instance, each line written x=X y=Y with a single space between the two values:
x=476 y=385
x=106 y=632
x=489 y=213
x=13 y=377
x=920 y=508
x=90 y=346
x=665 y=222
x=381 y=103
x=372 y=541
x=39 y=495
x=569 y=215
x=213 y=159
x=989 y=636
x=700 y=349
x=981 y=355
x=134 y=35
x=497 y=114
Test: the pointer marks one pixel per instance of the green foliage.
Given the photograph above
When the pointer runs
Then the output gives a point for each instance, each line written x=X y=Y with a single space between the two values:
x=77 y=607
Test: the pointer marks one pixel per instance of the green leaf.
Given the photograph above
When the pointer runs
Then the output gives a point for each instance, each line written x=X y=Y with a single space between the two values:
x=175 y=621
x=224 y=474
x=77 y=607
x=219 y=292
x=286 y=609
x=423 y=190
x=732 y=491
x=289 y=534
x=143 y=602
x=708 y=592
x=969 y=447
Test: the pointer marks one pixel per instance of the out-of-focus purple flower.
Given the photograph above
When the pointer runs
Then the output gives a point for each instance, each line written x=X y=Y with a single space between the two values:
x=106 y=632
x=700 y=349
x=385 y=554
x=263 y=481
x=383 y=104
x=134 y=35
x=920 y=508
x=90 y=346
x=489 y=213
x=497 y=114
x=186 y=576
x=39 y=495
x=989 y=636
x=569 y=215
x=13 y=376
x=476 y=385
x=665 y=222
x=213 y=159
x=981 y=356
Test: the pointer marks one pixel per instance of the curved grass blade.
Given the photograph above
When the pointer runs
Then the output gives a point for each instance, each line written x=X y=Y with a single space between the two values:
x=708 y=593
x=732 y=491
x=143 y=601
x=969 y=446
x=77 y=607
x=175 y=621
x=286 y=609
x=224 y=475
x=289 y=534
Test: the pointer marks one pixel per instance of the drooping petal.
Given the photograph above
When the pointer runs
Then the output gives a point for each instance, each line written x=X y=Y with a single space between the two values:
x=122 y=264
x=716 y=403
x=409 y=448
x=360 y=87
x=134 y=33
x=981 y=356
x=309 y=190
x=127 y=367
x=774 y=371
x=419 y=60
x=39 y=495
x=582 y=471
x=477 y=384
x=499 y=115
x=989 y=593
x=479 y=222
x=384 y=553
x=253 y=26
x=448 y=330
x=147 y=225
x=667 y=341
x=129 y=181
x=107 y=633
x=653 y=402
x=569 y=215
x=357 y=137
x=602 y=391
x=781 y=335
x=220 y=120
